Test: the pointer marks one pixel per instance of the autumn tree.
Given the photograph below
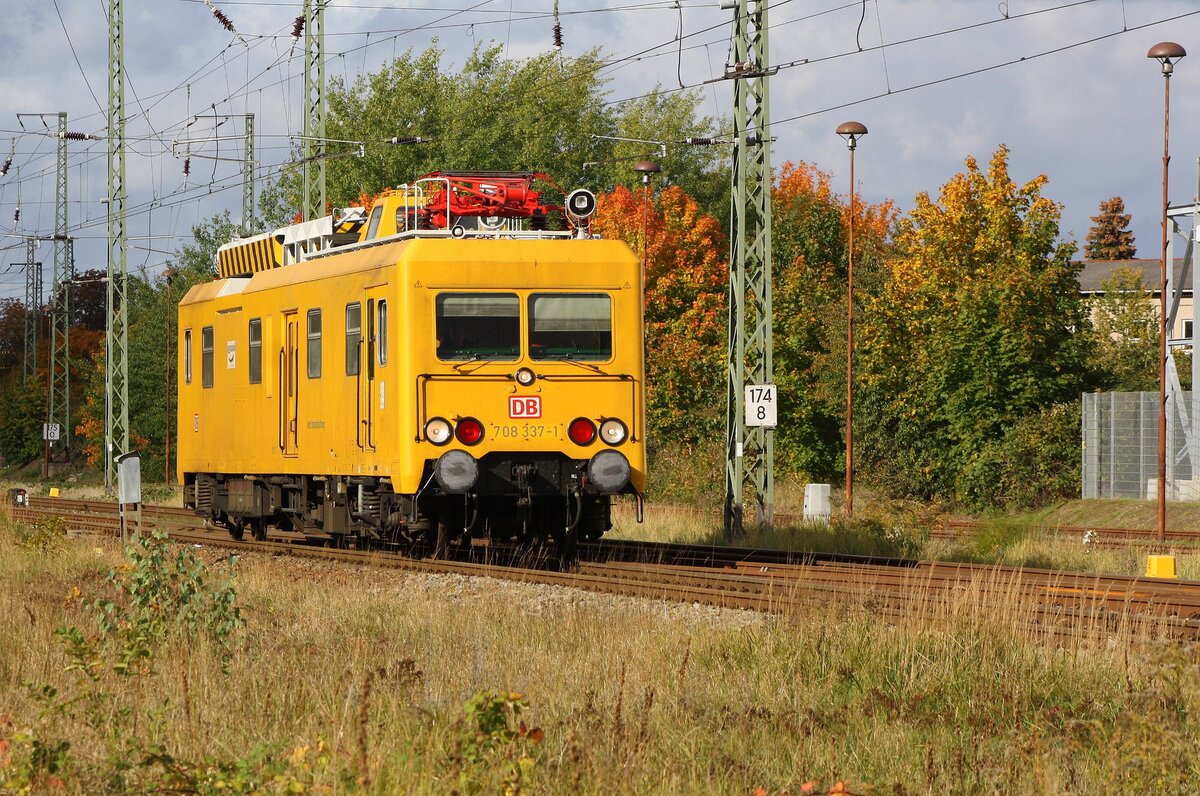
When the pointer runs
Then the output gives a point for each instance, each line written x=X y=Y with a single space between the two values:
x=979 y=325
x=809 y=242
x=1110 y=237
x=12 y=339
x=686 y=282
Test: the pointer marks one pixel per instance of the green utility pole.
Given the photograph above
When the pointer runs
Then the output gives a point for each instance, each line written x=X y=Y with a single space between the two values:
x=60 y=320
x=313 y=150
x=750 y=448
x=248 y=178
x=116 y=377
x=33 y=307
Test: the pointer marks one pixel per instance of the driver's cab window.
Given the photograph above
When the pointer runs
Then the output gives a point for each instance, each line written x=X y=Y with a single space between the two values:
x=472 y=326
x=570 y=326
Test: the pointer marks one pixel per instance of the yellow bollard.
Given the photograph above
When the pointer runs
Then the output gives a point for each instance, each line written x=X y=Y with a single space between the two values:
x=53 y=491
x=1160 y=567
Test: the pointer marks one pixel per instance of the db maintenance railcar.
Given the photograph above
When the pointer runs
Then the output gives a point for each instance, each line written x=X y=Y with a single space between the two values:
x=442 y=369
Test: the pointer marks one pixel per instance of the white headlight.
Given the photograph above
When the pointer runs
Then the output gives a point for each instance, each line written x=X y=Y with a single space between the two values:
x=438 y=431
x=613 y=431
x=525 y=377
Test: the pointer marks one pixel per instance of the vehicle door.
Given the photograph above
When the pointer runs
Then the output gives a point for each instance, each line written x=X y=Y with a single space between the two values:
x=289 y=385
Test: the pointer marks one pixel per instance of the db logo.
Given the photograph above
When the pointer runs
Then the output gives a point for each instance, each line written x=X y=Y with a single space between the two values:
x=524 y=406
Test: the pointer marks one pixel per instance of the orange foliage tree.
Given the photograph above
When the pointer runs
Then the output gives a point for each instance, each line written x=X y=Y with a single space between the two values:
x=686 y=279
x=809 y=242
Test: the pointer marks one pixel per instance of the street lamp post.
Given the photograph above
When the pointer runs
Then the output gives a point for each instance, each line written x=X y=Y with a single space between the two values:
x=1166 y=53
x=645 y=168
x=168 y=275
x=851 y=131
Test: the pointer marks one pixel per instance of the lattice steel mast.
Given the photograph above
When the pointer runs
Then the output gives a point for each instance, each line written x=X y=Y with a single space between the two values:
x=749 y=450
x=313 y=149
x=116 y=380
x=60 y=323
x=248 y=177
x=33 y=307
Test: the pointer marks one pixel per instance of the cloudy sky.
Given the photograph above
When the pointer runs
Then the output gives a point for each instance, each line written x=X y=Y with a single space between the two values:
x=1064 y=83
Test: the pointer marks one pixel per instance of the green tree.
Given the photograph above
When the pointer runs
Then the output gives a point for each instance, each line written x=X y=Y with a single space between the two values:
x=1110 y=237
x=22 y=413
x=1125 y=346
x=538 y=114
x=979 y=324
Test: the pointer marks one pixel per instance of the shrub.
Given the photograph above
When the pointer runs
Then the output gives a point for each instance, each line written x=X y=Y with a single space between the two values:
x=494 y=745
x=47 y=533
x=1036 y=461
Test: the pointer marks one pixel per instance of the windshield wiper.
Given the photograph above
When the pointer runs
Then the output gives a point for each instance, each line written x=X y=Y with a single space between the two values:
x=573 y=361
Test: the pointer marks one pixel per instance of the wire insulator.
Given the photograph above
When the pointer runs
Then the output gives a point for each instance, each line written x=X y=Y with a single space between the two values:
x=220 y=17
x=698 y=141
x=5 y=167
x=406 y=139
x=558 y=37
x=297 y=28
x=76 y=136
x=187 y=166
x=17 y=215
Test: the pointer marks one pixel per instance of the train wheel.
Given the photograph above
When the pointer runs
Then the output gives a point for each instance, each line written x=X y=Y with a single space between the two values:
x=258 y=529
x=237 y=528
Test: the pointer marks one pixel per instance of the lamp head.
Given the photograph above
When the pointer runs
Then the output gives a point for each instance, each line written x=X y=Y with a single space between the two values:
x=1166 y=53
x=852 y=131
x=646 y=168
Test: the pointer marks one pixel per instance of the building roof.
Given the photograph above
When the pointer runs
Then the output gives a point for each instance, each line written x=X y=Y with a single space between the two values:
x=1096 y=272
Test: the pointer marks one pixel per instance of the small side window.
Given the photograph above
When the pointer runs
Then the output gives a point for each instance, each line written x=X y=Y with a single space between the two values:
x=187 y=356
x=314 y=344
x=373 y=224
x=206 y=356
x=353 y=337
x=256 y=350
x=381 y=333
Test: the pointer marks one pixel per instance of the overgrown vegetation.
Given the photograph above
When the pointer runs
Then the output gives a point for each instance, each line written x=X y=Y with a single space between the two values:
x=340 y=680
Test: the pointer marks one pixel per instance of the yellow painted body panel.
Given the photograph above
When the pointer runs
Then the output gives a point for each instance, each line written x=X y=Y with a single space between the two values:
x=355 y=425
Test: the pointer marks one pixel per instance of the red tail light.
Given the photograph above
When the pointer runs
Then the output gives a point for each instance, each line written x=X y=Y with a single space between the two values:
x=582 y=431
x=469 y=431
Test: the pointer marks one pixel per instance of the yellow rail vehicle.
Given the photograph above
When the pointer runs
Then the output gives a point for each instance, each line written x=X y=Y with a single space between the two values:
x=420 y=387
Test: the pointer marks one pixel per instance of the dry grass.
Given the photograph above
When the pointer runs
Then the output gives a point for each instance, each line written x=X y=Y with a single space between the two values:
x=352 y=681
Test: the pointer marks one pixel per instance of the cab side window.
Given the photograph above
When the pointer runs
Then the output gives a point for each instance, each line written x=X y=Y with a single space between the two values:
x=314 y=344
x=381 y=333
x=353 y=337
x=187 y=356
x=206 y=356
x=255 y=350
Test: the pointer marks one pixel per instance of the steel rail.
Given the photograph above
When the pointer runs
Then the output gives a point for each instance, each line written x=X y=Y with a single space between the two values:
x=1060 y=600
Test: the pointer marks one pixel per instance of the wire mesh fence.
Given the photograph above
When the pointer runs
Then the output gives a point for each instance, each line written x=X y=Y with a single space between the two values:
x=1120 y=446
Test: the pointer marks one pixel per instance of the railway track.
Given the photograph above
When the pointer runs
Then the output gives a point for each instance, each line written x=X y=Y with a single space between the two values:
x=1092 y=534
x=751 y=579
